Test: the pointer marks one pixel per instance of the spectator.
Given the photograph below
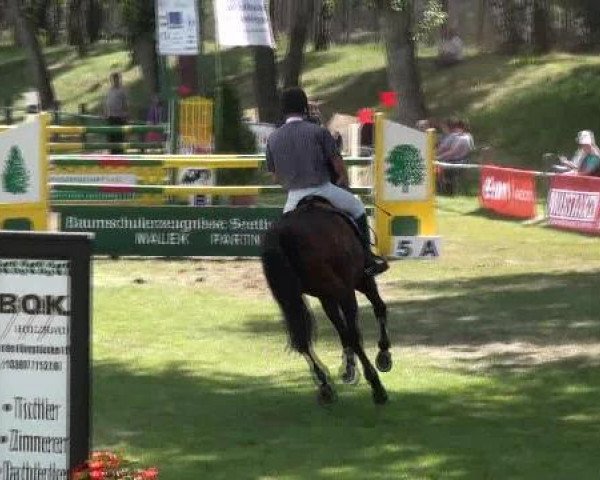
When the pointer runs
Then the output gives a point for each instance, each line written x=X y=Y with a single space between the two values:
x=450 y=49
x=423 y=125
x=445 y=135
x=586 y=160
x=314 y=113
x=456 y=148
x=116 y=109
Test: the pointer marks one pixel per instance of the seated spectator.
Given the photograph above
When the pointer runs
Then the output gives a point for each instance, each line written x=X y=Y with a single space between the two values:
x=450 y=49
x=455 y=147
x=586 y=160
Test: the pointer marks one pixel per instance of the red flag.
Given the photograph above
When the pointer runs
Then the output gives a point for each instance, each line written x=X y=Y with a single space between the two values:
x=365 y=116
x=388 y=99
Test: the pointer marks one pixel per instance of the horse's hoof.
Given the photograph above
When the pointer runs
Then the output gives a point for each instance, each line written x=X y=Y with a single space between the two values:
x=350 y=375
x=326 y=395
x=380 y=397
x=384 y=361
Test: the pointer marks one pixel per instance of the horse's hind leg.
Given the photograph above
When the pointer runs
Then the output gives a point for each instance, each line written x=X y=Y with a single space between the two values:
x=384 y=358
x=326 y=392
x=350 y=309
x=332 y=309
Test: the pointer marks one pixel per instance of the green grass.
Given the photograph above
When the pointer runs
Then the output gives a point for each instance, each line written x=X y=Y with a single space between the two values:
x=496 y=348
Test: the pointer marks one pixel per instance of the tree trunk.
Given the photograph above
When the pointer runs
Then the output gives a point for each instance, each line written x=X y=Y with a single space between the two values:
x=93 y=20
x=323 y=26
x=76 y=25
x=54 y=17
x=35 y=57
x=481 y=15
x=188 y=72
x=402 y=68
x=541 y=27
x=144 y=52
x=302 y=15
x=265 y=84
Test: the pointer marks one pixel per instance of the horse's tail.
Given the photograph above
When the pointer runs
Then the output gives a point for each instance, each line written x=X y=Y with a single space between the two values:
x=286 y=287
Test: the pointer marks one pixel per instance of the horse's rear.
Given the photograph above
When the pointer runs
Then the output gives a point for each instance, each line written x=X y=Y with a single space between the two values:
x=315 y=250
x=323 y=248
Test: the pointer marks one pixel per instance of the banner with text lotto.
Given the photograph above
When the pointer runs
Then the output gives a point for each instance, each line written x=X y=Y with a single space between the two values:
x=508 y=191
x=574 y=203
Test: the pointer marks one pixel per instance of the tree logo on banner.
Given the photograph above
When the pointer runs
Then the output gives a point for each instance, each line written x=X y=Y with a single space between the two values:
x=406 y=167
x=15 y=177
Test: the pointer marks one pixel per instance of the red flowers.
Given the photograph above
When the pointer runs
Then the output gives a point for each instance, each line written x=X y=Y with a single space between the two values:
x=107 y=466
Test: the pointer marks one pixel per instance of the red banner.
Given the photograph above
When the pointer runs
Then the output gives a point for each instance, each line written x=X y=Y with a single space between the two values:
x=508 y=191
x=574 y=203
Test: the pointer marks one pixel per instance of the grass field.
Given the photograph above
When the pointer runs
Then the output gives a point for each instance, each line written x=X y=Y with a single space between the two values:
x=496 y=350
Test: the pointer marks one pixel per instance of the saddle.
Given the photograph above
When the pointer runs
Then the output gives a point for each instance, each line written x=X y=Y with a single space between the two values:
x=316 y=201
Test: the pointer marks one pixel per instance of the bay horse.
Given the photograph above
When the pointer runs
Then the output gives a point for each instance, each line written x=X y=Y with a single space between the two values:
x=315 y=250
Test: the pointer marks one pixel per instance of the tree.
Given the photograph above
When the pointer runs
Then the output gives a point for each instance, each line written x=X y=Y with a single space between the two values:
x=322 y=33
x=15 y=178
x=397 y=22
x=139 y=20
x=541 y=26
x=35 y=57
x=265 y=79
x=406 y=167
x=76 y=25
x=302 y=16
x=265 y=84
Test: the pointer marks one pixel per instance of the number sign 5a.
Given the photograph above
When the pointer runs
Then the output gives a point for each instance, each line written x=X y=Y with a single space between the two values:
x=416 y=247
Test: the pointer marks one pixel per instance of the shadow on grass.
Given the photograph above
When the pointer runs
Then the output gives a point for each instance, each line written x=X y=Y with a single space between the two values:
x=541 y=309
x=543 y=424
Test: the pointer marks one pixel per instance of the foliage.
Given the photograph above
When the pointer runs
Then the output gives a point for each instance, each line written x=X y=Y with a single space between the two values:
x=108 y=466
x=15 y=178
x=139 y=17
x=433 y=17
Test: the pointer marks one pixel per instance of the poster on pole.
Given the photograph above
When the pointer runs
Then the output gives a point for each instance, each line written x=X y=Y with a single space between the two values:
x=44 y=354
x=243 y=23
x=177 y=27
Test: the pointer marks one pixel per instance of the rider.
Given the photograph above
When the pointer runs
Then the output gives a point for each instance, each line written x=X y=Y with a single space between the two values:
x=301 y=155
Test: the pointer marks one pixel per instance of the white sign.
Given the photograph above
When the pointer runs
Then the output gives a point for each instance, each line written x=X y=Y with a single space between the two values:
x=242 y=23
x=416 y=247
x=34 y=368
x=177 y=27
x=406 y=176
x=20 y=176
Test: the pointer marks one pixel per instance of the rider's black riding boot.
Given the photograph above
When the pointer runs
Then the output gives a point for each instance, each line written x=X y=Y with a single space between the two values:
x=374 y=264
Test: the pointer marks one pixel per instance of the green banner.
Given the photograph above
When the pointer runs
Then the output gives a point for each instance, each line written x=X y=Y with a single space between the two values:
x=171 y=231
